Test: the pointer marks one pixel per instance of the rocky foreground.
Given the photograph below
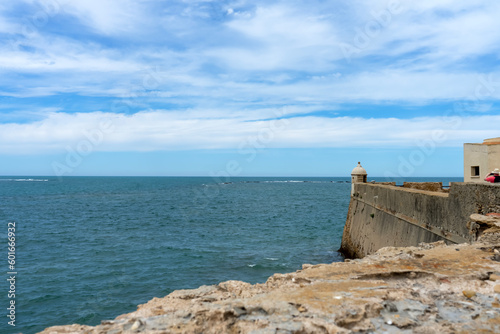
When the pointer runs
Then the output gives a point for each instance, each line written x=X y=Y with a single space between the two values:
x=433 y=288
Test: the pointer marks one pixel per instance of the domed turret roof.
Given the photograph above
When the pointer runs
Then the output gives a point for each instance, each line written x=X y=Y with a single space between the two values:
x=358 y=170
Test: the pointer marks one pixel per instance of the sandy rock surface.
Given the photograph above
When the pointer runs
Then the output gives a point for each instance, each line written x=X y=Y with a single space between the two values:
x=433 y=288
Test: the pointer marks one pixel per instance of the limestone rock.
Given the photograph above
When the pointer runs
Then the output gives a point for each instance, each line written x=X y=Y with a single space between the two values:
x=494 y=277
x=469 y=293
x=486 y=220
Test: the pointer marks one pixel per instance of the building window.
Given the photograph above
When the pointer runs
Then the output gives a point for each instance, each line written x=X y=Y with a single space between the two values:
x=475 y=171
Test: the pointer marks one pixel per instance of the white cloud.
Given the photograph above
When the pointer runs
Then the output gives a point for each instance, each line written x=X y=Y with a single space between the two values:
x=280 y=37
x=72 y=60
x=106 y=16
x=263 y=55
x=441 y=32
x=161 y=130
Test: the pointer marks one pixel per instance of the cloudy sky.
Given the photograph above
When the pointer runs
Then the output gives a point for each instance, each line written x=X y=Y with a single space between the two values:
x=278 y=88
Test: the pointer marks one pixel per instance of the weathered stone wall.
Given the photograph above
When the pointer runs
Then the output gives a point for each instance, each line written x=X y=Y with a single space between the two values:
x=382 y=215
x=429 y=186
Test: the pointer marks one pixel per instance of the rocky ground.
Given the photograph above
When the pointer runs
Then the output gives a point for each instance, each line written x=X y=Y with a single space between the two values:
x=433 y=288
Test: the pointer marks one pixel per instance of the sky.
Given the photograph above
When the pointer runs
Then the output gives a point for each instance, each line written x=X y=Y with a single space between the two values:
x=246 y=88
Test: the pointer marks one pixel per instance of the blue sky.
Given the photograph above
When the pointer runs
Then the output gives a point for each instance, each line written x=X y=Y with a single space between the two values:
x=246 y=88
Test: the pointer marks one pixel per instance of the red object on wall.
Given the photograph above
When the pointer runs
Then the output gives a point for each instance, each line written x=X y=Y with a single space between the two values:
x=490 y=179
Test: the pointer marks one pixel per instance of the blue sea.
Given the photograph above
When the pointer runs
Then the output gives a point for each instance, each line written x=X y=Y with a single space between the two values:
x=92 y=248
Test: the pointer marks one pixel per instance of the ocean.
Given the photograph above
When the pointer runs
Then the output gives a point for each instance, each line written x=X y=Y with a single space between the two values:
x=91 y=248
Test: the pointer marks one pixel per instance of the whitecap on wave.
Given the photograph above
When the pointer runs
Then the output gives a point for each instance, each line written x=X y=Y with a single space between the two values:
x=25 y=180
x=287 y=181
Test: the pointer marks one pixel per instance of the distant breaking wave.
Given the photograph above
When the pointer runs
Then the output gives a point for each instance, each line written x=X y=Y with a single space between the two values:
x=277 y=181
x=295 y=181
x=24 y=180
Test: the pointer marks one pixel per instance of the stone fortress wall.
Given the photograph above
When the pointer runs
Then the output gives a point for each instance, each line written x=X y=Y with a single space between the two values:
x=382 y=214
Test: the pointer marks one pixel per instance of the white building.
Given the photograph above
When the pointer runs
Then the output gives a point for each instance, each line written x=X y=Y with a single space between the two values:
x=481 y=159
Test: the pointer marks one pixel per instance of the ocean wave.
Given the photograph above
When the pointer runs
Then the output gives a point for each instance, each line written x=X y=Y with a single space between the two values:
x=25 y=180
x=274 y=181
x=274 y=267
x=294 y=181
x=283 y=181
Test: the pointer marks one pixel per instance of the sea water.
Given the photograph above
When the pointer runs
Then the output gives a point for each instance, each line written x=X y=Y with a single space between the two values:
x=92 y=248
